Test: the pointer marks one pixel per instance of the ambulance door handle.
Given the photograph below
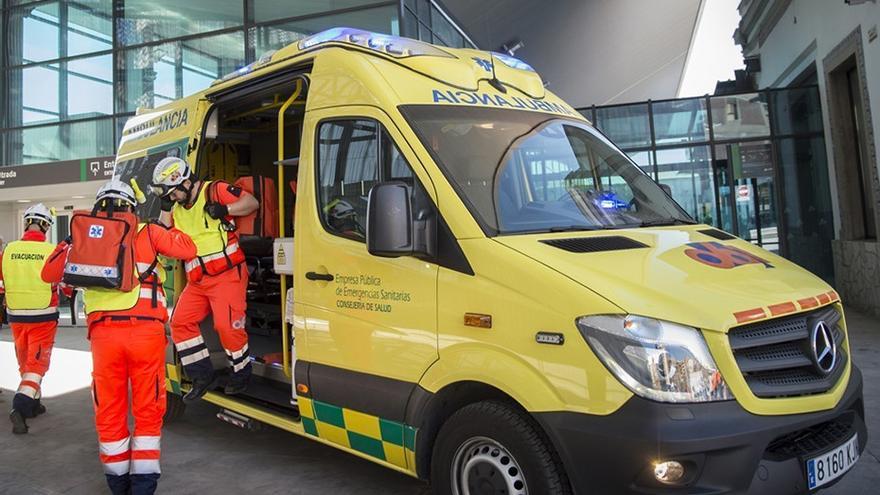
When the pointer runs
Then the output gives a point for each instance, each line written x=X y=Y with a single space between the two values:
x=319 y=276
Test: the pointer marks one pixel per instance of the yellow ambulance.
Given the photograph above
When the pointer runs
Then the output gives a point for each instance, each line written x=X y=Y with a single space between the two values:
x=471 y=285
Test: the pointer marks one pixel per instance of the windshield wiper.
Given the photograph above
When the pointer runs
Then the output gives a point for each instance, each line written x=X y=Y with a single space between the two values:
x=574 y=228
x=666 y=221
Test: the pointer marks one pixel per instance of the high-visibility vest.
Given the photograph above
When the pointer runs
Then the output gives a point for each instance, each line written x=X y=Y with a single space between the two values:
x=101 y=299
x=26 y=293
x=214 y=253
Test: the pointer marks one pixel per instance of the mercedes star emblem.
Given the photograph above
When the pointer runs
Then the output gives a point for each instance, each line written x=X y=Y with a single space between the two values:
x=824 y=348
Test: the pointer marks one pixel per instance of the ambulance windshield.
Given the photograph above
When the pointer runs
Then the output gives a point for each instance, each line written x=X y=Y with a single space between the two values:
x=520 y=171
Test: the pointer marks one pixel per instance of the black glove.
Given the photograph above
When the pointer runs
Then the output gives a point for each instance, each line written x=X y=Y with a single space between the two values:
x=68 y=240
x=216 y=211
x=166 y=204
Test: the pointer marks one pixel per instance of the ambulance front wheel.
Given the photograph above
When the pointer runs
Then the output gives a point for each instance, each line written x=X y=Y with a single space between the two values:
x=493 y=448
x=174 y=407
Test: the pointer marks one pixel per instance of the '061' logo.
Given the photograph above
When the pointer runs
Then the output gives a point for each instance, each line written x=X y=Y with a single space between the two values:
x=720 y=255
x=96 y=231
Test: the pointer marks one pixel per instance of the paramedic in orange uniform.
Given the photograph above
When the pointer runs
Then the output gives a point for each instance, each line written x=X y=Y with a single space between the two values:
x=32 y=311
x=217 y=277
x=127 y=334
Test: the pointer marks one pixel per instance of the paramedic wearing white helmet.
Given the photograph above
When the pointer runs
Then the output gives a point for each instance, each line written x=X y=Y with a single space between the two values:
x=32 y=311
x=127 y=336
x=216 y=278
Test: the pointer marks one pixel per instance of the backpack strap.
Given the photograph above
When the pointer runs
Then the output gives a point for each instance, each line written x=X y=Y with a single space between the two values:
x=258 y=194
x=142 y=277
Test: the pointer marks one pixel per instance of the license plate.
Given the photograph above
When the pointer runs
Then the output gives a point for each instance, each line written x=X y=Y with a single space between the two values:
x=831 y=465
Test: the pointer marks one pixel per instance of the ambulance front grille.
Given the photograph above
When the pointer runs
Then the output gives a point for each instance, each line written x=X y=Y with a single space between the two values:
x=776 y=358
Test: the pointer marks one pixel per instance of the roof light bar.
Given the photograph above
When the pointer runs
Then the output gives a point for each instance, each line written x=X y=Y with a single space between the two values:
x=382 y=43
x=512 y=62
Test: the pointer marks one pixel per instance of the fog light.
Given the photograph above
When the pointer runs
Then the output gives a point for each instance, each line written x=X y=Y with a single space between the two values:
x=668 y=472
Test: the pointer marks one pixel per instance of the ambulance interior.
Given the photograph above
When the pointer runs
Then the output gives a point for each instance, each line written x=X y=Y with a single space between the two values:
x=240 y=144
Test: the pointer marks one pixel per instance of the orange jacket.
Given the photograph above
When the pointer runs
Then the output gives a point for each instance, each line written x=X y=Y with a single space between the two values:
x=151 y=241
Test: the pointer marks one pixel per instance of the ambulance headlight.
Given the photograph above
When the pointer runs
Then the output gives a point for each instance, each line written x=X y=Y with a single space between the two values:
x=656 y=359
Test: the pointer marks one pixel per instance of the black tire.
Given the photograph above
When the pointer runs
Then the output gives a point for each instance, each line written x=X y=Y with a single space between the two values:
x=493 y=444
x=174 y=407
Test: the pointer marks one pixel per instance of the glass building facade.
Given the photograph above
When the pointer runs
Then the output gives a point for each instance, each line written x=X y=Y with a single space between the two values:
x=753 y=164
x=74 y=71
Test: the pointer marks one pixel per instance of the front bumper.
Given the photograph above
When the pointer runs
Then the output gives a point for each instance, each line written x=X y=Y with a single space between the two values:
x=724 y=448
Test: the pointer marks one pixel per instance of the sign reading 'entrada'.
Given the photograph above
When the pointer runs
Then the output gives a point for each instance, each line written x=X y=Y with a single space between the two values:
x=38 y=174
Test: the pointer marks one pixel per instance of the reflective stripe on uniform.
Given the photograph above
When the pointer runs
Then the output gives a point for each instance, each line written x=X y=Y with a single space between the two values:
x=114 y=448
x=239 y=353
x=145 y=466
x=32 y=312
x=194 y=263
x=146 y=443
x=148 y=294
x=117 y=468
x=27 y=390
x=186 y=344
x=238 y=367
x=192 y=358
x=33 y=377
x=144 y=267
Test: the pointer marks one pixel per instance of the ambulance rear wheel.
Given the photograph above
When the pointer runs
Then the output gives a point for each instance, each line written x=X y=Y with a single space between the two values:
x=174 y=407
x=493 y=448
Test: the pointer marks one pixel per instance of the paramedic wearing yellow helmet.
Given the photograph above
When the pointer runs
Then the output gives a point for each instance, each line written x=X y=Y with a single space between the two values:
x=216 y=280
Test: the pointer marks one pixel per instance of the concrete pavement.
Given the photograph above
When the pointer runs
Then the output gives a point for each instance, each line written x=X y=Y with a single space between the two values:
x=204 y=455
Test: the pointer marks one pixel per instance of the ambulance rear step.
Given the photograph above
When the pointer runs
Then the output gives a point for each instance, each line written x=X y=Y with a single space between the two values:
x=239 y=420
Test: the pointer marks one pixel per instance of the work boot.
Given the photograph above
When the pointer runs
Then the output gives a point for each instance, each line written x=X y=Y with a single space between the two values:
x=239 y=381
x=39 y=409
x=19 y=425
x=200 y=387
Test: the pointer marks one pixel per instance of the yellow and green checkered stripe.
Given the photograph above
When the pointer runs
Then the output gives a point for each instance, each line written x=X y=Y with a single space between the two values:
x=385 y=440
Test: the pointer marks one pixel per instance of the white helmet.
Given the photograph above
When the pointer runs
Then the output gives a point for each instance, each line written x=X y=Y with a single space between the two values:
x=116 y=189
x=40 y=215
x=168 y=175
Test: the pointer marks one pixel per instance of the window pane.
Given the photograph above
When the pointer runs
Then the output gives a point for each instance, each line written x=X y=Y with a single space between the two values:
x=33 y=34
x=688 y=173
x=270 y=10
x=410 y=24
x=153 y=20
x=60 y=142
x=680 y=121
x=740 y=116
x=89 y=26
x=796 y=110
x=808 y=218
x=90 y=87
x=348 y=167
x=626 y=126
x=34 y=95
x=443 y=28
x=380 y=20
x=154 y=75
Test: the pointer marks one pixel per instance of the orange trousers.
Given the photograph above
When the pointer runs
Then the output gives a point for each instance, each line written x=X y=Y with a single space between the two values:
x=33 y=348
x=124 y=352
x=223 y=297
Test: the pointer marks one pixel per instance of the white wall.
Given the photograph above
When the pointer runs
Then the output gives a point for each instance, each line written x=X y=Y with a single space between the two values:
x=79 y=195
x=824 y=23
x=591 y=51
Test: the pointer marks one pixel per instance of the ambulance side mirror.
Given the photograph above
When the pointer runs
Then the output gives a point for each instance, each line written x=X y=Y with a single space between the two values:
x=393 y=229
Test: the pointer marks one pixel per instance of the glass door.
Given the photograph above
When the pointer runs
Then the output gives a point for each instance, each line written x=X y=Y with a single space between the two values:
x=746 y=182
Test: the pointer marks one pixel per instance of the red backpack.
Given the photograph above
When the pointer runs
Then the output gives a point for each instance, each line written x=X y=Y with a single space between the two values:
x=102 y=253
